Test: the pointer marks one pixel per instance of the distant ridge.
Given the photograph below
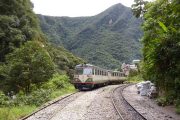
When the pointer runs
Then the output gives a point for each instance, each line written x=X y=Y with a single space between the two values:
x=106 y=39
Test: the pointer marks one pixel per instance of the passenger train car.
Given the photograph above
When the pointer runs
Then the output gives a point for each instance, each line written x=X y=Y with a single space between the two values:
x=89 y=76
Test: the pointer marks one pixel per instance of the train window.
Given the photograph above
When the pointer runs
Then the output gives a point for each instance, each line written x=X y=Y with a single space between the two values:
x=79 y=71
x=93 y=71
x=87 y=71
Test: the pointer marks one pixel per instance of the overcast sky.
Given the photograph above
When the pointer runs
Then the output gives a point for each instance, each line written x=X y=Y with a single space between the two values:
x=74 y=8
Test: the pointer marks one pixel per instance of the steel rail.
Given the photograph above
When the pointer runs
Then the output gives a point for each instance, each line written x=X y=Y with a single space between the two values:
x=112 y=95
x=130 y=104
x=115 y=106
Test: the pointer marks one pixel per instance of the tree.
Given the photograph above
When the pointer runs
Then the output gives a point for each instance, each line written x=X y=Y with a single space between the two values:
x=161 y=46
x=18 y=25
x=28 y=65
x=139 y=8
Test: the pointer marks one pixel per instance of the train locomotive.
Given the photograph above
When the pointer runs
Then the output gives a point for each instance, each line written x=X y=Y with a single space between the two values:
x=88 y=76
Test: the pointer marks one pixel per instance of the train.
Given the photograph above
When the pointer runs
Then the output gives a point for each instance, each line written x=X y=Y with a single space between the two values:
x=89 y=76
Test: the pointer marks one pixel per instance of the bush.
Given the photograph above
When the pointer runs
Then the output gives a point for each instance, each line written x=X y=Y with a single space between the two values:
x=133 y=73
x=36 y=98
x=137 y=78
x=162 y=101
x=178 y=109
x=3 y=99
x=57 y=82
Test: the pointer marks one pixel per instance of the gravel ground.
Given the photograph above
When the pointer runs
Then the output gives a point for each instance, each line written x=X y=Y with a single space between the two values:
x=147 y=107
x=50 y=111
x=93 y=105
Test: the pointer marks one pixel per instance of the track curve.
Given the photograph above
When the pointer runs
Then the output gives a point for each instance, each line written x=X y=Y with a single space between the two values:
x=128 y=106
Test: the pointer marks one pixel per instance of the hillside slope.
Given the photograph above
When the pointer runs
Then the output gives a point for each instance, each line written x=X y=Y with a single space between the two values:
x=106 y=40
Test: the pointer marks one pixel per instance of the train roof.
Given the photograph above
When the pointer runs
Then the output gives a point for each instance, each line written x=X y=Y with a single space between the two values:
x=90 y=65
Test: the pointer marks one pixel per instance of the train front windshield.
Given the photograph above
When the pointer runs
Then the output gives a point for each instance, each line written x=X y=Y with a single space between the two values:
x=84 y=71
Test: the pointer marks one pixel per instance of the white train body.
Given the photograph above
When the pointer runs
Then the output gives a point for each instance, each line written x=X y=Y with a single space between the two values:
x=89 y=76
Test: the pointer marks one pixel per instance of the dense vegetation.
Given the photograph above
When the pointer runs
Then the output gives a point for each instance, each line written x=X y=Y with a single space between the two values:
x=106 y=40
x=32 y=71
x=161 y=46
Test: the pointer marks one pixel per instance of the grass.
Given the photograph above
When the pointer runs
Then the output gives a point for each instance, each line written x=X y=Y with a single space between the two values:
x=63 y=91
x=135 y=79
x=14 y=113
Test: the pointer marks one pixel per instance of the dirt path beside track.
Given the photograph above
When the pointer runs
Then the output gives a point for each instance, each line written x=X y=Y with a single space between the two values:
x=147 y=107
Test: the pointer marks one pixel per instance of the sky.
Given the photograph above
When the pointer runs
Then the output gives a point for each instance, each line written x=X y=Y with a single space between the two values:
x=75 y=8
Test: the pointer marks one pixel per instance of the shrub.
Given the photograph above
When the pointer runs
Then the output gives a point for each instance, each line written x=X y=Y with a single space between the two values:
x=57 y=82
x=3 y=99
x=178 y=109
x=36 y=98
x=39 y=97
x=137 y=78
x=133 y=73
x=162 y=101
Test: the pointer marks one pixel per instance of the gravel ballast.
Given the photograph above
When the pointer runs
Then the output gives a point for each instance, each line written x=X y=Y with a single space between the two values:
x=93 y=105
x=147 y=107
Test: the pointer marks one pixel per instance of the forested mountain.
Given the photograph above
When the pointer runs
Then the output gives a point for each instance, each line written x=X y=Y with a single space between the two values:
x=106 y=40
x=26 y=58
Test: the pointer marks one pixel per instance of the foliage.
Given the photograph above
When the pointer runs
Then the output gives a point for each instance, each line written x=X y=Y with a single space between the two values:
x=22 y=104
x=18 y=25
x=133 y=72
x=56 y=86
x=107 y=39
x=19 y=107
x=24 y=64
x=3 y=99
x=161 y=47
x=135 y=79
x=162 y=101
x=14 y=113
x=28 y=65
x=138 y=8
x=36 y=98
x=57 y=82
x=177 y=103
x=64 y=60
x=178 y=109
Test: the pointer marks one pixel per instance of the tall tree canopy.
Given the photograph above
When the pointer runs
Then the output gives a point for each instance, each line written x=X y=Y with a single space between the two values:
x=139 y=7
x=30 y=64
x=18 y=25
x=22 y=63
x=26 y=59
x=161 y=43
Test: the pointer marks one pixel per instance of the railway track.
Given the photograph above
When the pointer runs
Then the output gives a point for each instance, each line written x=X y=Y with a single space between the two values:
x=127 y=105
x=52 y=103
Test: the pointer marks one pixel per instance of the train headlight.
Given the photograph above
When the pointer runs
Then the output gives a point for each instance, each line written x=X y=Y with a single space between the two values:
x=89 y=80
x=76 y=80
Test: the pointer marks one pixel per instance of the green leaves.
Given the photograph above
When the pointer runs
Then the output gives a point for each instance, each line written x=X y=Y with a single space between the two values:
x=163 y=26
x=161 y=45
x=30 y=64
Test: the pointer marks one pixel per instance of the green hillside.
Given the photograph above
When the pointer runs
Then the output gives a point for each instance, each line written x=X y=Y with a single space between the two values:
x=106 y=40
x=26 y=57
